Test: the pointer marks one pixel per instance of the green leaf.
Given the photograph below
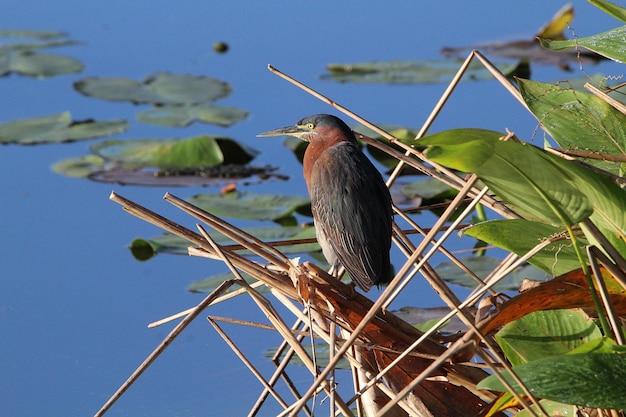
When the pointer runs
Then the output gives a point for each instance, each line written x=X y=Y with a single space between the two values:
x=590 y=380
x=520 y=236
x=38 y=65
x=543 y=334
x=81 y=167
x=408 y=72
x=250 y=206
x=609 y=44
x=577 y=120
x=194 y=152
x=57 y=128
x=38 y=34
x=146 y=248
x=161 y=88
x=521 y=174
x=610 y=8
x=181 y=116
x=205 y=286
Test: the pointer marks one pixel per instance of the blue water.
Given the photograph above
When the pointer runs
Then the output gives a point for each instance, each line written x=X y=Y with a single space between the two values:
x=74 y=304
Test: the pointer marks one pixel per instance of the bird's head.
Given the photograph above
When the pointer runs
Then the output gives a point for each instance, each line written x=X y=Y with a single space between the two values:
x=317 y=128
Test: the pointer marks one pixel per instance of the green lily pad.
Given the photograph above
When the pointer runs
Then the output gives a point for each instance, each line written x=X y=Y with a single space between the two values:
x=194 y=152
x=162 y=88
x=146 y=248
x=37 y=34
x=205 y=286
x=251 y=206
x=410 y=72
x=181 y=116
x=198 y=151
x=37 y=65
x=30 y=46
x=57 y=128
x=79 y=167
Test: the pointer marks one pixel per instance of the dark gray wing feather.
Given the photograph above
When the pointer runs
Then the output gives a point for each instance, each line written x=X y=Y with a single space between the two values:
x=352 y=205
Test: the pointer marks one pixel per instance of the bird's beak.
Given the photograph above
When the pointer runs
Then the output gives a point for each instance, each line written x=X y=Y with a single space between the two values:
x=296 y=131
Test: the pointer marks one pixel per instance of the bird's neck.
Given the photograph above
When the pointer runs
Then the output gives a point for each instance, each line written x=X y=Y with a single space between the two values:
x=313 y=152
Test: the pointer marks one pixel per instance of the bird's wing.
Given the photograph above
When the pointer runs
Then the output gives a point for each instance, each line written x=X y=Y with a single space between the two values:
x=352 y=205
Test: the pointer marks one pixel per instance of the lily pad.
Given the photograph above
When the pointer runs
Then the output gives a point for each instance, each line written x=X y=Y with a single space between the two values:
x=181 y=116
x=412 y=72
x=57 y=128
x=194 y=152
x=251 y=206
x=146 y=248
x=79 y=167
x=37 y=65
x=162 y=88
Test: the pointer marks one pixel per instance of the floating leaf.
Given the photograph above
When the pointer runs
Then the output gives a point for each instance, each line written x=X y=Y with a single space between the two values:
x=37 y=65
x=590 y=380
x=205 y=286
x=37 y=34
x=79 y=167
x=57 y=128
x=194 y=152
x=162 y=88
x=410 y=72
x=181 y=116
x=251 y=206
x=24 y=47
x=144 y=249
x=546 y=333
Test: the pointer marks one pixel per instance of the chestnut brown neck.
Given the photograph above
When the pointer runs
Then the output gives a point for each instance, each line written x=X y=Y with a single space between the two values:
x=324 y=139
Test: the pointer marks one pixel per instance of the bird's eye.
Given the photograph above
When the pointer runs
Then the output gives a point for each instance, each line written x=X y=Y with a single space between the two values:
x=310 y=126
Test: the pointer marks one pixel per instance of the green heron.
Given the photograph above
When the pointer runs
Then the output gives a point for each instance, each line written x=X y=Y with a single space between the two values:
x=350 y=202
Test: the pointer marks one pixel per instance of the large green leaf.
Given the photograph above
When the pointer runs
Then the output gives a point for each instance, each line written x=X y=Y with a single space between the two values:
x=57 y=128
x=521 y=174
x=590 y=380
x=181 y=116
x=519 y=236
x=609 y=44
x=577 y=120
x=538 y=184
x=194 y=152
x=610 y=8
x=162 y=88
x=543 y=334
